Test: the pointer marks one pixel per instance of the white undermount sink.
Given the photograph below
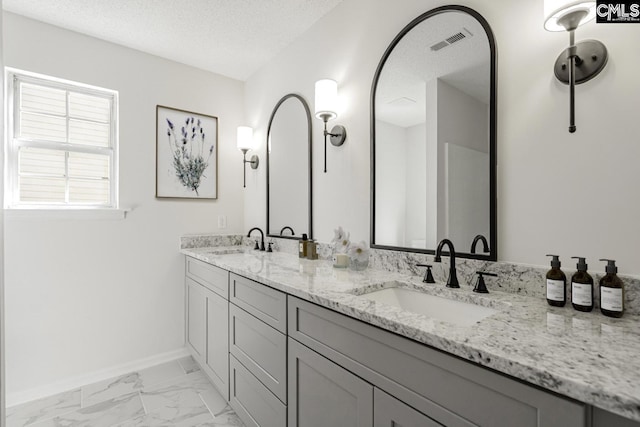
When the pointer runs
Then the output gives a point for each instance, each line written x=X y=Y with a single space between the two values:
x=447 y=310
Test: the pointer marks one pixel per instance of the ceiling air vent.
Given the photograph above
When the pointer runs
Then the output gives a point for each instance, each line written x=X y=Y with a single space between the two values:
x=439 y=45
x=460 y=35
x=455 y=38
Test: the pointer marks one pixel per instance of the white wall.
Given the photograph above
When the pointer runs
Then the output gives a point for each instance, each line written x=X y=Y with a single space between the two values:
x=2 y=364
x=391 y=203
x=415 y=184
x=463 y=166
x=462 y=119
x=86 y=295
x=571 y=194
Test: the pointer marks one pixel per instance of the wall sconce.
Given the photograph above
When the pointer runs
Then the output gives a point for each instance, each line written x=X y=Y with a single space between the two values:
x=582 y=61
x=245 y=143
x=326 y=107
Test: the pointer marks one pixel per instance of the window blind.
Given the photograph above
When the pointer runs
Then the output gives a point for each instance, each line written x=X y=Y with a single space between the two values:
x=63 y=149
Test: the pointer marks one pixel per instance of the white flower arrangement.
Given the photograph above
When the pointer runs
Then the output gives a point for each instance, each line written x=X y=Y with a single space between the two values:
x=340 y=241
x=359 y=252
x=347 y=252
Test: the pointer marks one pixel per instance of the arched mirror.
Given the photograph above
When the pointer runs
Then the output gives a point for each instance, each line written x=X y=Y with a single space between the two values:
x=289 y=169
x=433 y=136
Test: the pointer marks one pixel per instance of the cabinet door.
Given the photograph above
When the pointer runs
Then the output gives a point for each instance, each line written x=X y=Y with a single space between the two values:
x=390 y=412
x=217 y=361
x=196 y=302
x=323 y=394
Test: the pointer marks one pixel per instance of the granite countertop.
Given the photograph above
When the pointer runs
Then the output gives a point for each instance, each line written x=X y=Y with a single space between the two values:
x=585 y=356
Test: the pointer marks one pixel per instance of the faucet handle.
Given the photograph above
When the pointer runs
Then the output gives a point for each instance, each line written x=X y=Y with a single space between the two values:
x=480 y=285
x=256 y=247
x=269 y=248
x=428 y=276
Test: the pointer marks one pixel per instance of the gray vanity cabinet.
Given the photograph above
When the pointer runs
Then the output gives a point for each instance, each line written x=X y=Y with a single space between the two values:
x=258 y=348
x=448 y=390
x=602 y=418
x=207 y=320
x=323 y=394
x=390 y=412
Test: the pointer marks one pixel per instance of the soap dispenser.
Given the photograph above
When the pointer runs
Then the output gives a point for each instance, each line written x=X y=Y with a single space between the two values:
x=312 y=249
x=582 y=287
x=302 y=252
x=611 y=291
x=556 y=284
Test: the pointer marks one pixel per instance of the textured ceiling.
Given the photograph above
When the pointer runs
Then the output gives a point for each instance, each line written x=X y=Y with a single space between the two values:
x=229 y=37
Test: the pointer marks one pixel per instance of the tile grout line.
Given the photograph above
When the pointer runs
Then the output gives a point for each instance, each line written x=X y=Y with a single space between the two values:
x=144 y=407
x=205 y=405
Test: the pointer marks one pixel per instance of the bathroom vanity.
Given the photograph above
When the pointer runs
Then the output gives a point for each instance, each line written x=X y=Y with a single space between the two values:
x=304 y=346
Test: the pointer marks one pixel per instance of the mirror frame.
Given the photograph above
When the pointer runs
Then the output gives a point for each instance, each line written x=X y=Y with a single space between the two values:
x=309 y=232
x=493 y=221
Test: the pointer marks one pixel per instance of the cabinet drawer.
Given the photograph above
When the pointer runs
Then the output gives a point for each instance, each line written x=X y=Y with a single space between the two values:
x=451 y=391
x=207 y=275
x=260 y=348
x=253 y=402
x=265 y=303
x=390 y=412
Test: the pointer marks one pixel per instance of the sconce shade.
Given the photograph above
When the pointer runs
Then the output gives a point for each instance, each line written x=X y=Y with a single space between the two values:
x=326 y=99
x=561 y=15
x=245 y=138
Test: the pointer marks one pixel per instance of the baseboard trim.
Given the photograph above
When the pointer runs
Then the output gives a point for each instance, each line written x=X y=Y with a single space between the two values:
x=17 y=398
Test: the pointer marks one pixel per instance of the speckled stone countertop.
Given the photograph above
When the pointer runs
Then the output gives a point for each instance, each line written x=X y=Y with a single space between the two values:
x=585 y=356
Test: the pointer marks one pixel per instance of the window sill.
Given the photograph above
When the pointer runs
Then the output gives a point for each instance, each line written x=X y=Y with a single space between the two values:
x=66 y=214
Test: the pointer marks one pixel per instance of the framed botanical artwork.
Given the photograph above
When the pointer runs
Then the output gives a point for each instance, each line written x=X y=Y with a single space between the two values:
x=186 y=154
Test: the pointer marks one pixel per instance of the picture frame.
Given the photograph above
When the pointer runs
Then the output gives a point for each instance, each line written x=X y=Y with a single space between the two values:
x=186 y=154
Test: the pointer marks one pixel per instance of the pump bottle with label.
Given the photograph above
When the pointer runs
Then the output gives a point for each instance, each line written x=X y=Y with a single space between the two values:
x=556 y=284
x=582 y=287
x=611 y=291
x=302 y=246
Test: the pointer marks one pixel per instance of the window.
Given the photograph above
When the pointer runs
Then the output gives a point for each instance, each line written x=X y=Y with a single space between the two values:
x=61 y=144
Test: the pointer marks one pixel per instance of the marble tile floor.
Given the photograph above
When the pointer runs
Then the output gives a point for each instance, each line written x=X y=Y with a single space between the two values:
x=172 y=394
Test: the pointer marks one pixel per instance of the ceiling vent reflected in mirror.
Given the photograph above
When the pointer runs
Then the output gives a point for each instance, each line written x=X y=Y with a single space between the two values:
x=460 y=35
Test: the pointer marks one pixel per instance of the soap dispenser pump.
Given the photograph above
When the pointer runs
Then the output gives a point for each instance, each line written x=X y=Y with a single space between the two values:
x=303 y=248
x=611 y=291
x=582 y=287
x=556 y=284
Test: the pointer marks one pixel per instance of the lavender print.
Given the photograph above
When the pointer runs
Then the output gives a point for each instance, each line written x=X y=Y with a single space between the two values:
x=190 y=150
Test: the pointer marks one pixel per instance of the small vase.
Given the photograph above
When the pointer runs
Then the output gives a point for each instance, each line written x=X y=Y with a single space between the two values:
x=358 y=265
x=340 y=260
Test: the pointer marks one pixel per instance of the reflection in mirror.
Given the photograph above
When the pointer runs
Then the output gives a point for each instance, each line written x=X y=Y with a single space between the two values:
x=433 y=136
x=289 y=169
